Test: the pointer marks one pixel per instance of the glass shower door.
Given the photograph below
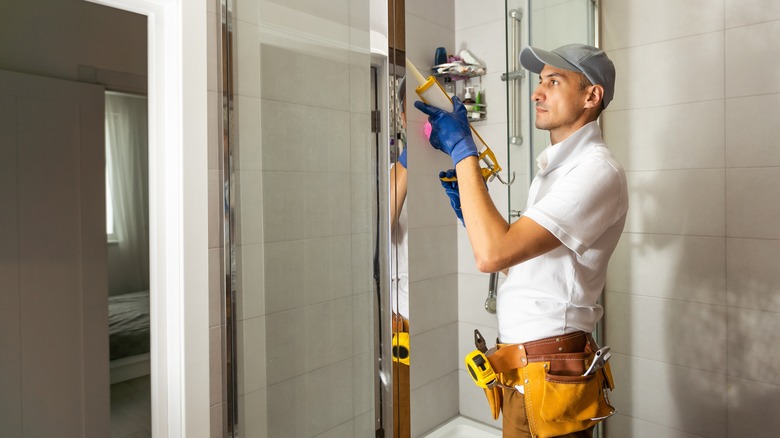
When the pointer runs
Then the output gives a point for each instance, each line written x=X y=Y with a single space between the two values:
x=551 y=24
x=300 y=180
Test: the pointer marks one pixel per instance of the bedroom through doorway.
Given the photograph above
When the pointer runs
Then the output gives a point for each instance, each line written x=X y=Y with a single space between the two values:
x=127 y=234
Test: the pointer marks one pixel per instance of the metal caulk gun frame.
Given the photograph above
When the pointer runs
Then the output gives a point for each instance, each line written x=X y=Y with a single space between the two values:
x=438 y=97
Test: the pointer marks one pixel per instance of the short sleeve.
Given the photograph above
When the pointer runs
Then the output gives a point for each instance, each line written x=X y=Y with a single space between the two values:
x=582 y=204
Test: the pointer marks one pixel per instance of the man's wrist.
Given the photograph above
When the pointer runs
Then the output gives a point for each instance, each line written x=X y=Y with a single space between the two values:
x=465 y=148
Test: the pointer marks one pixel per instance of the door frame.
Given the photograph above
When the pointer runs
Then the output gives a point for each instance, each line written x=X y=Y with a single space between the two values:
x=177 y=44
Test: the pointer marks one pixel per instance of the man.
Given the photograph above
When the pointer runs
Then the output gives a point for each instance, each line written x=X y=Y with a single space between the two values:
x=556 y=254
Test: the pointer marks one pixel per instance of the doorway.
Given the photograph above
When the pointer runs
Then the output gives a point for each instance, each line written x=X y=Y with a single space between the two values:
x=178 y=225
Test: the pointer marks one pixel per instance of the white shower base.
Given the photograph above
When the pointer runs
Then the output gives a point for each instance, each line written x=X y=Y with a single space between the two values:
x=462 y=427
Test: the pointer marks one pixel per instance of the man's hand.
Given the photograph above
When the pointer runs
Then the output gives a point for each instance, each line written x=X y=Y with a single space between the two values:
x=450 y=132
x=451 y=188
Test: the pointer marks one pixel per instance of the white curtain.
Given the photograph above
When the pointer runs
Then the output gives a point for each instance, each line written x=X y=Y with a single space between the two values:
x=128 y=176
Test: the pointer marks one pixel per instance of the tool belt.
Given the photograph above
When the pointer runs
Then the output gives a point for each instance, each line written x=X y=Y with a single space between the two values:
x=563 y=392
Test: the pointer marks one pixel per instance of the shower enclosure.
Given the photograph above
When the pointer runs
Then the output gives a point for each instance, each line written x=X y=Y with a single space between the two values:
x=300 y=190
x=308 y=114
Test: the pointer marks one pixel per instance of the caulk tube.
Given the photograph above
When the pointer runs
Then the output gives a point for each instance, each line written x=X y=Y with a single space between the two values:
x=432 y=93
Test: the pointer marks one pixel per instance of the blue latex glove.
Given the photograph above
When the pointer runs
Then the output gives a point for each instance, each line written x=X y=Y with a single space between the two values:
x=402 y=158
x=451 y=188
x=450 y=132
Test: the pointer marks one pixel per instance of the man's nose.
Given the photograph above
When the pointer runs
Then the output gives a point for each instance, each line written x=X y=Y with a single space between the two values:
x=536 y=96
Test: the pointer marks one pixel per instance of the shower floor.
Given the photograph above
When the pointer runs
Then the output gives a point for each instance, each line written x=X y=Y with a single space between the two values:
x=462 y=427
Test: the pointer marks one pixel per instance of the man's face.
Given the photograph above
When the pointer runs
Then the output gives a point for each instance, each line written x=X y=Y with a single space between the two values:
x=560 y=100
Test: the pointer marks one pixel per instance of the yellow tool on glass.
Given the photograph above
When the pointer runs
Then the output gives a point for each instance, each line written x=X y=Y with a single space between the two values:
x=401 y=347
x=432 y=93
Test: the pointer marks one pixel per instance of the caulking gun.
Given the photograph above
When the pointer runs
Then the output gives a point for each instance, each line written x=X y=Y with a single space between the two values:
x=432 y=93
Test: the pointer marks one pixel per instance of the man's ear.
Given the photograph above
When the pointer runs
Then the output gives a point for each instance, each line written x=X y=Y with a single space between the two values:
x=595 y=96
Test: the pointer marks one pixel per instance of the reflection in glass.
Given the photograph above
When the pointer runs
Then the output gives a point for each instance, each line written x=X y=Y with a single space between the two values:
x=399 y=264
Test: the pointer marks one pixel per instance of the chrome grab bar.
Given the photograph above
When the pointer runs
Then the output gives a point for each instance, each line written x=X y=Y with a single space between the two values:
x=490 y=303
x=514 y=74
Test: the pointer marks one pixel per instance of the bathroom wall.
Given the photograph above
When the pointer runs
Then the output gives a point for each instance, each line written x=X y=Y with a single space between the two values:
x=481 y=30
x=692 y=302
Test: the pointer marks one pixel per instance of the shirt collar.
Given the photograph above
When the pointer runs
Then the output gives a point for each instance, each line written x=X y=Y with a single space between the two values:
x=555 y=155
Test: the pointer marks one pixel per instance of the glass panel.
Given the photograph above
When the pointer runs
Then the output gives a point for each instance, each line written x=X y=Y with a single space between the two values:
x=554 y=24
x=304 y=185
x=551 y=24
x=399 y=224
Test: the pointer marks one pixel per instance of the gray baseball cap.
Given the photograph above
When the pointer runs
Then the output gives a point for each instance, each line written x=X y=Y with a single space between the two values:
x=588 y=60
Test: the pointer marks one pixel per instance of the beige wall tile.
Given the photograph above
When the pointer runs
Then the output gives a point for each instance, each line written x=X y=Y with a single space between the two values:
x=687 y=202
x=623 y=425
x=688 y=268
x=248 y=152
x=433 y=355
x=751 y=59
x=634 y=23
x=746 y=12
x=307 y=395
x=752 y=337
x=441 y=12
x=247 y=59
x=432 y=252
x=435 y=304
x=246 y=10
x=250 y=293
x=670 y=72
x=684 y=136
x=672 y=332
x=249 y=208
x=473 y=403
x=752 y=408
x=685 y=399
x=751 y=131
x=751 y=203
x=469 y=15
x=472 y=293
x=753 y=277
x=251 y=364
x=434 y=403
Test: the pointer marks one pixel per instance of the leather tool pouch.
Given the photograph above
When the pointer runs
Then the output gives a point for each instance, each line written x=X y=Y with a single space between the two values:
x=559 y=399
x=495 y=399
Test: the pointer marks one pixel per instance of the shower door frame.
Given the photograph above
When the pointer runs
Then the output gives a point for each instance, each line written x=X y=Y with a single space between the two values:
x=178 y=219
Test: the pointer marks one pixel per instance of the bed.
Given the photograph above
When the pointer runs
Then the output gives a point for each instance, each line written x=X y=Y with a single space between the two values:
x=128 y=334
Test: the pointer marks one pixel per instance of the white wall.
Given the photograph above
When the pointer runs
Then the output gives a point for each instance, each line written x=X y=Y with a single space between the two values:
x=53 y=38
x=693 y=313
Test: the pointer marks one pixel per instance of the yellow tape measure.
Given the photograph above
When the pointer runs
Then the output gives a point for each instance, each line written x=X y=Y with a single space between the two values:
x=479 y=369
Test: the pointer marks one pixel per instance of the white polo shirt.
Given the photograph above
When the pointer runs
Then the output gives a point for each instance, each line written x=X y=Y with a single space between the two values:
x=580 y=196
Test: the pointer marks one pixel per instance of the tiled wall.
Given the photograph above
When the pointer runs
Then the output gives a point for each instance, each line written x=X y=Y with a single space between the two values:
x=303 y=180
x=692 y=307
x=481 y=30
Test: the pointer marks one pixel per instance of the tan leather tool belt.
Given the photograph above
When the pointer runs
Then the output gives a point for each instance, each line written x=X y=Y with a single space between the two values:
x=560 y=397
x=508 y=357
